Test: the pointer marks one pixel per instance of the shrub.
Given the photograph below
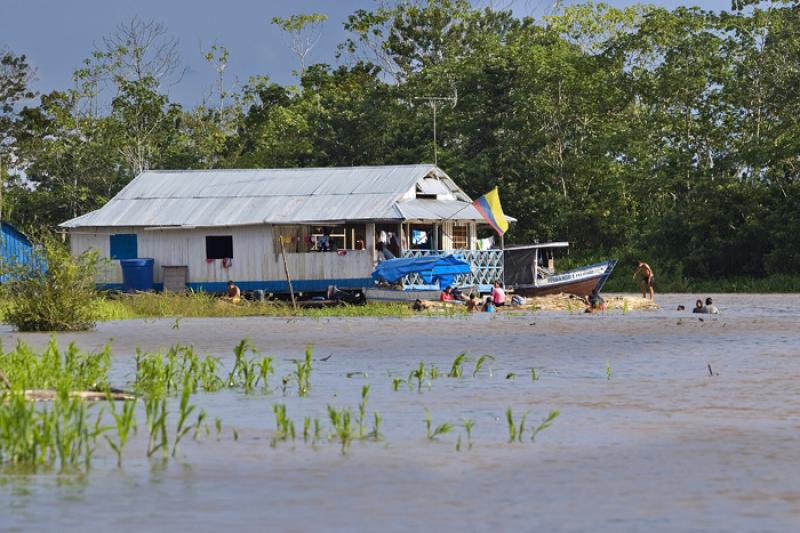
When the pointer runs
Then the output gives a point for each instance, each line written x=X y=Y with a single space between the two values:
x=55 y=292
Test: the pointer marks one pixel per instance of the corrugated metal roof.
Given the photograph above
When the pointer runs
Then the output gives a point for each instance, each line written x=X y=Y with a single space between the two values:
x=207 y=198
x=423 y=209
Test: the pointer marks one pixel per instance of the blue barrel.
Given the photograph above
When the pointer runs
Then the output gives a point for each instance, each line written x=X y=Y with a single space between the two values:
x=137 y=274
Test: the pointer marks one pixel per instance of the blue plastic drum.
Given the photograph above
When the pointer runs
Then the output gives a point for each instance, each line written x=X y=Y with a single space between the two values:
x=137 y=274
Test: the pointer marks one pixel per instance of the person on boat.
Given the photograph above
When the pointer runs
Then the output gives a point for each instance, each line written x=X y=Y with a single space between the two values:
x=498 y=294
x=698 y=307
x=234 y=293
x=447 y=295
x=648 y=281
x=710 y=308
x=595 y=301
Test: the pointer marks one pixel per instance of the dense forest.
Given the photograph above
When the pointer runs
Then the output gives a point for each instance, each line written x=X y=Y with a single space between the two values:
x=672 y=136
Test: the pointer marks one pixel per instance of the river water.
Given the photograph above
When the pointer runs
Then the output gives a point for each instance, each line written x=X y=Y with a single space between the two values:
x=658 y=445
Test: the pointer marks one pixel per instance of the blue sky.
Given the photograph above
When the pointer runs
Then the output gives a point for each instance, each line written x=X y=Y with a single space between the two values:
x=57 y=35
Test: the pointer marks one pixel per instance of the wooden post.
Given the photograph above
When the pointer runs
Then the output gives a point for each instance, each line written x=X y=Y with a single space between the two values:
x=503 y=255
x=286 y=270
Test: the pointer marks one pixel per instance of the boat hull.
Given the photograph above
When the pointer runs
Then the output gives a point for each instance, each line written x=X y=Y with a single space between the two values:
x=376 y=294
x=579 y=282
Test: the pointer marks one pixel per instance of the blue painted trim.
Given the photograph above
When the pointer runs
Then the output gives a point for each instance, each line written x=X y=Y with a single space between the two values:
x=277 y=287
x=118 y=286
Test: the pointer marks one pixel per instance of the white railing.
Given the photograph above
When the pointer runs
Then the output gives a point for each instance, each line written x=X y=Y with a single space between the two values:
x=487 y=267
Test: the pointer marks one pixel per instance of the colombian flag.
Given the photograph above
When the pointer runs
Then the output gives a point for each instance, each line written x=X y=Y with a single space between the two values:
x=489 y=207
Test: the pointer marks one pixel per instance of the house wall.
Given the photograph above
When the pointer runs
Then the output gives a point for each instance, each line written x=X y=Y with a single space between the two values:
x=255 y=264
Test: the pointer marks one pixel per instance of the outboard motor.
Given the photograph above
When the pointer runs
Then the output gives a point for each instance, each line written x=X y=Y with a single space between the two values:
x=347 y=297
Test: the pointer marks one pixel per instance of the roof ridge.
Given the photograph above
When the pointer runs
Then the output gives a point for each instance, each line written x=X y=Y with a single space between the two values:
x=290 y=169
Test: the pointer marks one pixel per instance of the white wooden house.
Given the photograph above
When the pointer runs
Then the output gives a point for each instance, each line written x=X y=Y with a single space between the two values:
x=220 y=225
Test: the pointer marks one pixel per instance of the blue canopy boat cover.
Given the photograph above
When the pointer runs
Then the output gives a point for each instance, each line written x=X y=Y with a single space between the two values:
x=432 y=269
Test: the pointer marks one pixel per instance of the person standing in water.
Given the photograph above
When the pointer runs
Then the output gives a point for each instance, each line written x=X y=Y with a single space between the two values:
x=648 y=279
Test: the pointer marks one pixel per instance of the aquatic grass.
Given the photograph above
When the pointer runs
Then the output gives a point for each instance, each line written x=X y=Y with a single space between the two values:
x=468 y=426
x=396 y=382
x=375 y=434
x=54 y=368
x=317 y=431
x=534 y=375
x=185 y=409
x=245 y=372
x=546 y=423
x=362 y=410
x=125 y=421
x=341 y=426
x=417 y=374
x=608 y=370
x=302 y=373
x=284 y=426
x=515 y=432
x=60 y=434
x=434 y=432
x=156 y=418
x=457 y=368
x=480 y=362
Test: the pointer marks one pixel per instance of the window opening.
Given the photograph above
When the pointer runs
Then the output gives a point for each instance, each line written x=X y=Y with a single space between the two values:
x=219 y=247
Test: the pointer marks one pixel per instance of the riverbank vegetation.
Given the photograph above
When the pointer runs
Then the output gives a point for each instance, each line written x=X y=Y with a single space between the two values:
x=53 y=292
x=639 y=133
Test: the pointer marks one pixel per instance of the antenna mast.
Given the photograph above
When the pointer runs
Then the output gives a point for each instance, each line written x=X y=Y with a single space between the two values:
x=436 y=102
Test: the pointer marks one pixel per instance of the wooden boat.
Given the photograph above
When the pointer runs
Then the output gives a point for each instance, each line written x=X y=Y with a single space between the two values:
x=389 y=294
x=530 y=271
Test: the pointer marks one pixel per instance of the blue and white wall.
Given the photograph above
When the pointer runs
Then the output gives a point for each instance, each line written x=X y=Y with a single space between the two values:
x=255 y=265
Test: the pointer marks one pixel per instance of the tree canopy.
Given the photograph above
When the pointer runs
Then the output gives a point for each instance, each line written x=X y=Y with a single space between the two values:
x=670 y=135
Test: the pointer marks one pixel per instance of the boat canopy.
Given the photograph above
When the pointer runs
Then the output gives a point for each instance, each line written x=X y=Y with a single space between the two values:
x=432 y=269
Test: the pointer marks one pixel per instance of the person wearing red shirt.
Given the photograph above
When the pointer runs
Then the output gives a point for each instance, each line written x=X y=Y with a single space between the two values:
x=447 y=295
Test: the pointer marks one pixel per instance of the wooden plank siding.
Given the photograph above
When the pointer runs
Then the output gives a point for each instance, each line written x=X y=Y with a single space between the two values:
x=254 y=258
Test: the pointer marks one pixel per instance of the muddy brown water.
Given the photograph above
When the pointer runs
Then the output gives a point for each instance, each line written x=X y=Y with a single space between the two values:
x=662 y=445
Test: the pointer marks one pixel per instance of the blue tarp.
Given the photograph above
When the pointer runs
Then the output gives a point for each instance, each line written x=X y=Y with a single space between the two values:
x=433 y=269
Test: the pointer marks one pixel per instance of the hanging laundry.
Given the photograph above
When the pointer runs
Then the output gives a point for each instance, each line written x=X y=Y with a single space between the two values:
x=227 y=262
x=419 y=237
x=486 y=244
x=384 y=237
